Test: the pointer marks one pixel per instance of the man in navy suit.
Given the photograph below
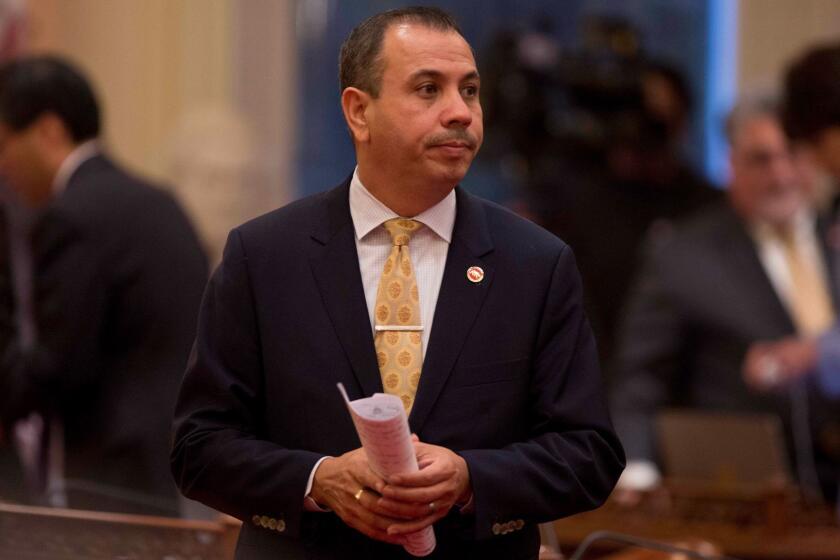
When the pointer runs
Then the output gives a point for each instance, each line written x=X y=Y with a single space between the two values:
x=512 y=428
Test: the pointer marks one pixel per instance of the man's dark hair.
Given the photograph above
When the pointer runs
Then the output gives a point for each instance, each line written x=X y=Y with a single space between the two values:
x=360 y=63
x=33 y=86
x=812 y=93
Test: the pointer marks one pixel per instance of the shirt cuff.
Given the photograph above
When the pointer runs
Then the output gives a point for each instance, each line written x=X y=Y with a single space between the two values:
x=469 y=507
x=308 y=503
x=640 y=476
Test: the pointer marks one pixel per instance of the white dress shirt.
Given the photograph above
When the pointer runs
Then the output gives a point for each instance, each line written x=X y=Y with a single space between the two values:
x=71 y=163
x=428 y=248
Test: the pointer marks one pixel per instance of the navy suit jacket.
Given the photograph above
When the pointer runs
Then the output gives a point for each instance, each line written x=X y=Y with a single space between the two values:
x=118 y=277
x=510 y=381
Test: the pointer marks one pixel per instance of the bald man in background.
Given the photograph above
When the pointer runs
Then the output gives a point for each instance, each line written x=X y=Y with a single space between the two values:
x=812 y=119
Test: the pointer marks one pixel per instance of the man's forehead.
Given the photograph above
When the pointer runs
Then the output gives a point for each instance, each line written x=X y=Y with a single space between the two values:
x=413 y=46
x=759 y=128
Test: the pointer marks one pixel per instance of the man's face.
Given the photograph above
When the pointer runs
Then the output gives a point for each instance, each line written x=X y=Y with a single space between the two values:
x=765 y=184
x=425 y=127
x=22 y=164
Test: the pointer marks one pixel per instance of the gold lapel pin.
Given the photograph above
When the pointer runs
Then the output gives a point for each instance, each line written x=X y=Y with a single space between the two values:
x=475 y=274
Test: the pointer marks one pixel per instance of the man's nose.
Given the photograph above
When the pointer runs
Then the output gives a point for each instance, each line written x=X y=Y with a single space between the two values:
x=782 y=167
x=456 y=112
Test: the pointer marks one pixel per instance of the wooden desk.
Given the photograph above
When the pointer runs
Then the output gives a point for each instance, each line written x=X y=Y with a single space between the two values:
x=743 y=529
x=34 y=533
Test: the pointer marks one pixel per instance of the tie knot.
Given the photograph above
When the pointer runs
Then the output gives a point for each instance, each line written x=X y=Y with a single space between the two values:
x=401 y=230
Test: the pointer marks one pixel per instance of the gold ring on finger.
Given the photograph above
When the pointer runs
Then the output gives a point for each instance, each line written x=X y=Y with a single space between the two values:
x=432 y=506
x=358 y=495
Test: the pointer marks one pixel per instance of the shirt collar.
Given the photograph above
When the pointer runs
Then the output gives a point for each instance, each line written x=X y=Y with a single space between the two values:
x=368 y=212
x=72 y=162
x=802 y=225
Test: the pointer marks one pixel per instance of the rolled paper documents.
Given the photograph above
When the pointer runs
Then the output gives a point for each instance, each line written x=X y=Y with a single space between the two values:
x=382 y=426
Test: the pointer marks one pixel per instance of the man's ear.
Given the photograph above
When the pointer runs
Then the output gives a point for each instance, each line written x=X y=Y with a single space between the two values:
x=354 y=103
x=51 y=128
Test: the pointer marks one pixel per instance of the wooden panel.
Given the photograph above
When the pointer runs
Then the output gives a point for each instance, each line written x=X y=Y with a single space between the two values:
x=31 y=533
x=774 y=526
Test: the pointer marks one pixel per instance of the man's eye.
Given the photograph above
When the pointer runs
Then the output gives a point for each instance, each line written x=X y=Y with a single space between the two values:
x=470 y=91
x=428 y=89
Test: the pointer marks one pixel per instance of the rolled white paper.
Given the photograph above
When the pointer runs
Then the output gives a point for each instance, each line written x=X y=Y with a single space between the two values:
x=382 y=426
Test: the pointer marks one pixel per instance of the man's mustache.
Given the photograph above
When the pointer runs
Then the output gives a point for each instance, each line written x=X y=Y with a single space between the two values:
x=456 y=135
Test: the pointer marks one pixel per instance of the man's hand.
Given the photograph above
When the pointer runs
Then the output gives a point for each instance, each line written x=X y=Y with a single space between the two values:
x=349 y=487
x=769 y=365
x=423 y=497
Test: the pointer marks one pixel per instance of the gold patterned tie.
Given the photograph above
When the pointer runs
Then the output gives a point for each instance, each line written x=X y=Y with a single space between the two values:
x=397 y=317
x=810 y=302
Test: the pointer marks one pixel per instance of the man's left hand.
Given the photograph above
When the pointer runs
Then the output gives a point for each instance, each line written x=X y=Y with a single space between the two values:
x=428 y=494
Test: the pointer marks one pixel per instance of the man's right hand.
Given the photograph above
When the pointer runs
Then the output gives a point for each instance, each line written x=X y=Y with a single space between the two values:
x=770 y=365
x=336 y=485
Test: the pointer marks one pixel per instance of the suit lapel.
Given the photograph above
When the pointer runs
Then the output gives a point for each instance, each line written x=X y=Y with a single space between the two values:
x=747 y=268
x=335 y=266
x=458 y=303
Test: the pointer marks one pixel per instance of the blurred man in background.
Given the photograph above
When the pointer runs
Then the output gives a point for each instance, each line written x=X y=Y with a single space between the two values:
x=117 y=278
x=750 y=269
x=812 y=119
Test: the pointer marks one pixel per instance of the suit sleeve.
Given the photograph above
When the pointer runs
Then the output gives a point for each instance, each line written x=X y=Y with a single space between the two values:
x=221 y=455
x=828 y=362
x=69 y=302
x=572 y=459
x=650 y=341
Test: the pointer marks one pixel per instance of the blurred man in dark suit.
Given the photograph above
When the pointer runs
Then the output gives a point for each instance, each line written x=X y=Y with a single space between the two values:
x=117 y=278
x=499 y=372
x=812 y=119
x=752 y=269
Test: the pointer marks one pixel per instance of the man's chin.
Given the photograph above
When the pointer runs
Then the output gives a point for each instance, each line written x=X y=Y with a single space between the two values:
x=453 y=172
x=780 y=216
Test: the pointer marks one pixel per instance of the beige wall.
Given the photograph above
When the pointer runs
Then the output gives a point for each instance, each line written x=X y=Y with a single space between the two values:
x=155 y=60
x=773 y=32
x=197 y=93
x=149 y=60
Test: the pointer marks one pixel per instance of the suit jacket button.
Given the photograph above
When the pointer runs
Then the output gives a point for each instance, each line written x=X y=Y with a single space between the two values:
x=256 y=520
x=281 y=525
x=497 y=528
x=272 y=523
